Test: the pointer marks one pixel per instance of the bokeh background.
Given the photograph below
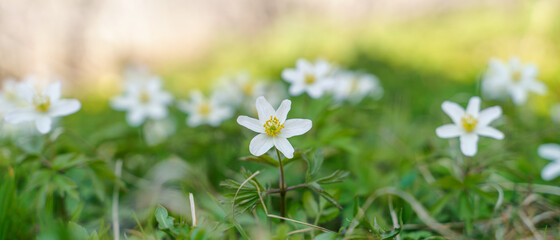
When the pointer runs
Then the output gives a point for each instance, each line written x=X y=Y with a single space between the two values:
x=191 y=43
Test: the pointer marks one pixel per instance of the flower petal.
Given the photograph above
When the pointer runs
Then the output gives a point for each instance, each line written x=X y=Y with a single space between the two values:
x=264 y=109
x=490 y=132
x=156 y=111
x=260 y=144
x=43 y=124
x=536 y=87
x=449 y=131
x=315 y=91
x=282 y=112
x=64 y=107
x=20 y=115
x=473 y=108
x=136 y=117
x=304 y=65
x=53 y=91
x=518 y=95
x=295 y=127
x=297 y=89
x=122 y=102
x=291 y=75
x=250 y=123
x=453 y=110
x=550 y=151
x=551 y=171
x=284 y=146
x=488 y=115
x=469 y=143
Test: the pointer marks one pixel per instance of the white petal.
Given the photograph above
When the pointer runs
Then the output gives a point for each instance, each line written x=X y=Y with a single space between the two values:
x=469 y=143
x=490 y=132
x=135 y=117
x=297 y=89
x=282 y=112
x=453 y=110
x=20 y=115
x=260 y=144
x=157 y=111
x=473 y=108
x=194 y=120
x=291 y=75
x=64 y=107
x=550 y=151
x=284 y=146
x=518 y=95
x=551 y=171
x=295 y=127
x=449 y=131
x=122 y=102
x=315 y=91
x=304 y=65
x=488 y=115
x=536 y=87
x=43 y=124
x=250 y=123
x=264 y=109
x=53 y=91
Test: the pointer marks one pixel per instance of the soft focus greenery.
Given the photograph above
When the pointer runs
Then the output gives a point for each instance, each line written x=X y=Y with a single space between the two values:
x=61 y=187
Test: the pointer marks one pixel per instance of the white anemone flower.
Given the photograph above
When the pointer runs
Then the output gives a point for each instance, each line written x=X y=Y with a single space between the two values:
x=273 y=128
x=514 y=78
x=354 y=86
x=202 y=110
x=10 y=97
x=312 y=78
x=42 y=107
x=469 y=124
x=237 y=88
x=550 y=151
x=143 y=99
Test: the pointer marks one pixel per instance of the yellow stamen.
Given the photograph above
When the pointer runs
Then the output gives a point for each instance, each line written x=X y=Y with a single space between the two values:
x=310 y=79
x=516 y=76
x=272 y=127
x=42 y=103
x=144 y=97
x=469 y=122
x=204 y=109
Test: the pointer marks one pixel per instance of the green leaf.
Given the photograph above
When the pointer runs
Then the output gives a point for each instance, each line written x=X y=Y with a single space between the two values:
x=264 y=159
x=66 y=161
x=466 y=211
x=326 y=236
x=438 y=206
x=309 y=204
x=315 y=187
x=314 y=164
x=336 y=176
x=66 y=186
x=163 y=219
x=329 y=214
x=77 y=232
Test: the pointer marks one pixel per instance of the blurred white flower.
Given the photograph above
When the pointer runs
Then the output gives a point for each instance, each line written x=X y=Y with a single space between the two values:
x=156 y=131
x=42 y=107
x=273 y=128
x=514 y=78
x=313 y=78
x=467 y=125
x=550 y=151
x=555 y=113
x=203 y=110
x=10 y=97
x=238 y=88
x=354 y=86
x=143 y=99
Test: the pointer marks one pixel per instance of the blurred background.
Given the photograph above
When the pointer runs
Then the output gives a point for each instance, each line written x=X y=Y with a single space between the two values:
x=190 y=43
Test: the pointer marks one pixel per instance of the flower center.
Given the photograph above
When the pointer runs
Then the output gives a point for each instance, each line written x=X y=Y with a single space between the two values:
x=144 y=97
x=42 y=103
x=516 y=76
x=469 y=122
x=272 y=127
x=310 y=79
x=204 y=109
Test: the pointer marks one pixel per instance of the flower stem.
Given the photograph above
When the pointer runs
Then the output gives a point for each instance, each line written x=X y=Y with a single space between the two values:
x=282 y=187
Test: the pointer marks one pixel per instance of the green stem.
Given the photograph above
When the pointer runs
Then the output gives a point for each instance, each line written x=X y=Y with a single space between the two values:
x=282 y=187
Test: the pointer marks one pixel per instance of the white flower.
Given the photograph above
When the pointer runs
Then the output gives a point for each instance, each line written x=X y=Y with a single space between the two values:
x=43 y=107
x=555 y=113
x=10 y=97
x=550 y=151
x=467 y=125
x=308 y=77
x=143 y=99
x=202 y=110
x=273 y=128
x=354 y=86
x=237 y=88
x=513 y=78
